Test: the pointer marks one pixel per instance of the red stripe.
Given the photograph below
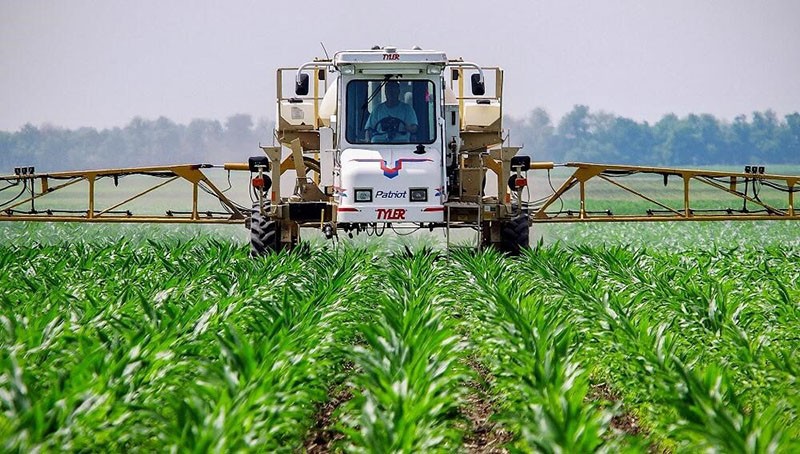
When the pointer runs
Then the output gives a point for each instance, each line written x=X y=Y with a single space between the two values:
x=347 y=209
x=433 y=209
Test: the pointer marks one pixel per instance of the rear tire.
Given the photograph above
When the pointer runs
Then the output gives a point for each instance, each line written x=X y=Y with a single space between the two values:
x=515 y=235
x=265 y=234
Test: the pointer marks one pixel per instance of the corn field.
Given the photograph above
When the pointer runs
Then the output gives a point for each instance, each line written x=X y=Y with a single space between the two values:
x=188 y=345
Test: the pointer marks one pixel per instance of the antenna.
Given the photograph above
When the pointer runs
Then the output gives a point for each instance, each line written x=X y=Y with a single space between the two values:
x=324 y=50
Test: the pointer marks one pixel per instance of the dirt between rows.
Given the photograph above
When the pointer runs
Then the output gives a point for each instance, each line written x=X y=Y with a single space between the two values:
x=625 y=422
x=482 y=435
x=322 y=437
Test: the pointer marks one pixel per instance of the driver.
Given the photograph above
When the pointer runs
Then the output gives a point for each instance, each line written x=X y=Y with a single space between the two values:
x=392 y=120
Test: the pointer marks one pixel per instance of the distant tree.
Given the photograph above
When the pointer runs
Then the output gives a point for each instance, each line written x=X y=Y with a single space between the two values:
x=790 y=139
x=711 y=139
x=601 y=146
x=203 y=138
x=7 y=150
x=573 y=133
x=741 y=146
x=575 y=124
x=765 y=137
x=534 y=133
x=240 y=139
x=633 y=141
x=664 y=134
x=586 y=136
x=113 y=144
x=166 y=138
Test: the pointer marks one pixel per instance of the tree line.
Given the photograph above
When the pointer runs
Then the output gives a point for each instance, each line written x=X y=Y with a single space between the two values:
x=580 y=135
x=140 y=143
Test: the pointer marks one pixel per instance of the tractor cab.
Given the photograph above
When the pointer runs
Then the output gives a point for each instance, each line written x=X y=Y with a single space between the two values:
x=390 y=154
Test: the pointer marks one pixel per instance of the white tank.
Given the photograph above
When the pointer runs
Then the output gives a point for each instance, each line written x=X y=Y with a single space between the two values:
x=328 y=106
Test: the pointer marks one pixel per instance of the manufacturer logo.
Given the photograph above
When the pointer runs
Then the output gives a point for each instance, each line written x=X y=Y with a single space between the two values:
x=391 y=172
x=390 y=195
x=391 y=214
x=391 y=56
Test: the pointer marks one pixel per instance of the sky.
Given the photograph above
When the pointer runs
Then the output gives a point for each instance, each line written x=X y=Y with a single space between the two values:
x=101 y=63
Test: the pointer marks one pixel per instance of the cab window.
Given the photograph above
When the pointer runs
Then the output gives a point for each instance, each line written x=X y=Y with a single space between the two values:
x=388 y=111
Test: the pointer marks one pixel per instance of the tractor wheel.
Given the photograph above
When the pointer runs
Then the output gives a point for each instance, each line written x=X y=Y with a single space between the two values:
x=515 y=235
x=265 y=235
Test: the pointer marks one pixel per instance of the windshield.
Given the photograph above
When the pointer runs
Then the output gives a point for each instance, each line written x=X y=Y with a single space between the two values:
x=390 y=111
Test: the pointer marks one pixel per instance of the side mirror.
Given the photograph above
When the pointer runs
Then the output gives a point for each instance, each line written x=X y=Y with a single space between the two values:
x=301 y=86
x=256 y=162
x=478 y=87
x=521 y=161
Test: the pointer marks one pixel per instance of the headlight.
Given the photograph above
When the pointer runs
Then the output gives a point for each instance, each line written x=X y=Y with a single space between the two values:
x=419 y=194
x=363 y=195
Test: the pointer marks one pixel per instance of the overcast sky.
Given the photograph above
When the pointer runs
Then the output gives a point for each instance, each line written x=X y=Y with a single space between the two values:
x=100 y=63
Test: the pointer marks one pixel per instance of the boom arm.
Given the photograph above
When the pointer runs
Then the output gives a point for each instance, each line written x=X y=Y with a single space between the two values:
x=698 y=198
x=23 y=207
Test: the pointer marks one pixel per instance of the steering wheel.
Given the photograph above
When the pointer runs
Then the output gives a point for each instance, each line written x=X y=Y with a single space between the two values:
x=391 y=126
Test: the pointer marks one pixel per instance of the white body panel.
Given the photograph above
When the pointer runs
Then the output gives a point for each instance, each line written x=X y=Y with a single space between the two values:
x=327 y=108
x=297 y=114
x=390 y=174
x=326 y=157
x=481 y=115
x=388 y=56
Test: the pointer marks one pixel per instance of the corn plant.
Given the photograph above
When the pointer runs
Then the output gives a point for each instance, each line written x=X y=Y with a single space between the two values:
x=530 y=347
x=409 y=380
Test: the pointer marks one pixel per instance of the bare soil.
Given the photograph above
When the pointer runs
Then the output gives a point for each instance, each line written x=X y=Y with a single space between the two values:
x=322 y=437
x=625 y=422
x=484 y=435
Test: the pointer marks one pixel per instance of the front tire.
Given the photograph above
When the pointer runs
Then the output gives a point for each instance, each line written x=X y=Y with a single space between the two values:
x=265 y=234
x=515 y=235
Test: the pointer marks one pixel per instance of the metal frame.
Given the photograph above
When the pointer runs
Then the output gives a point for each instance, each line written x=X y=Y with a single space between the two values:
x=585 y=173
x=192 y=174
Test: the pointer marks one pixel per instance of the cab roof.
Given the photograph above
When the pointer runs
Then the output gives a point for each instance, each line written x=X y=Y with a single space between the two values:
x=389 y=54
